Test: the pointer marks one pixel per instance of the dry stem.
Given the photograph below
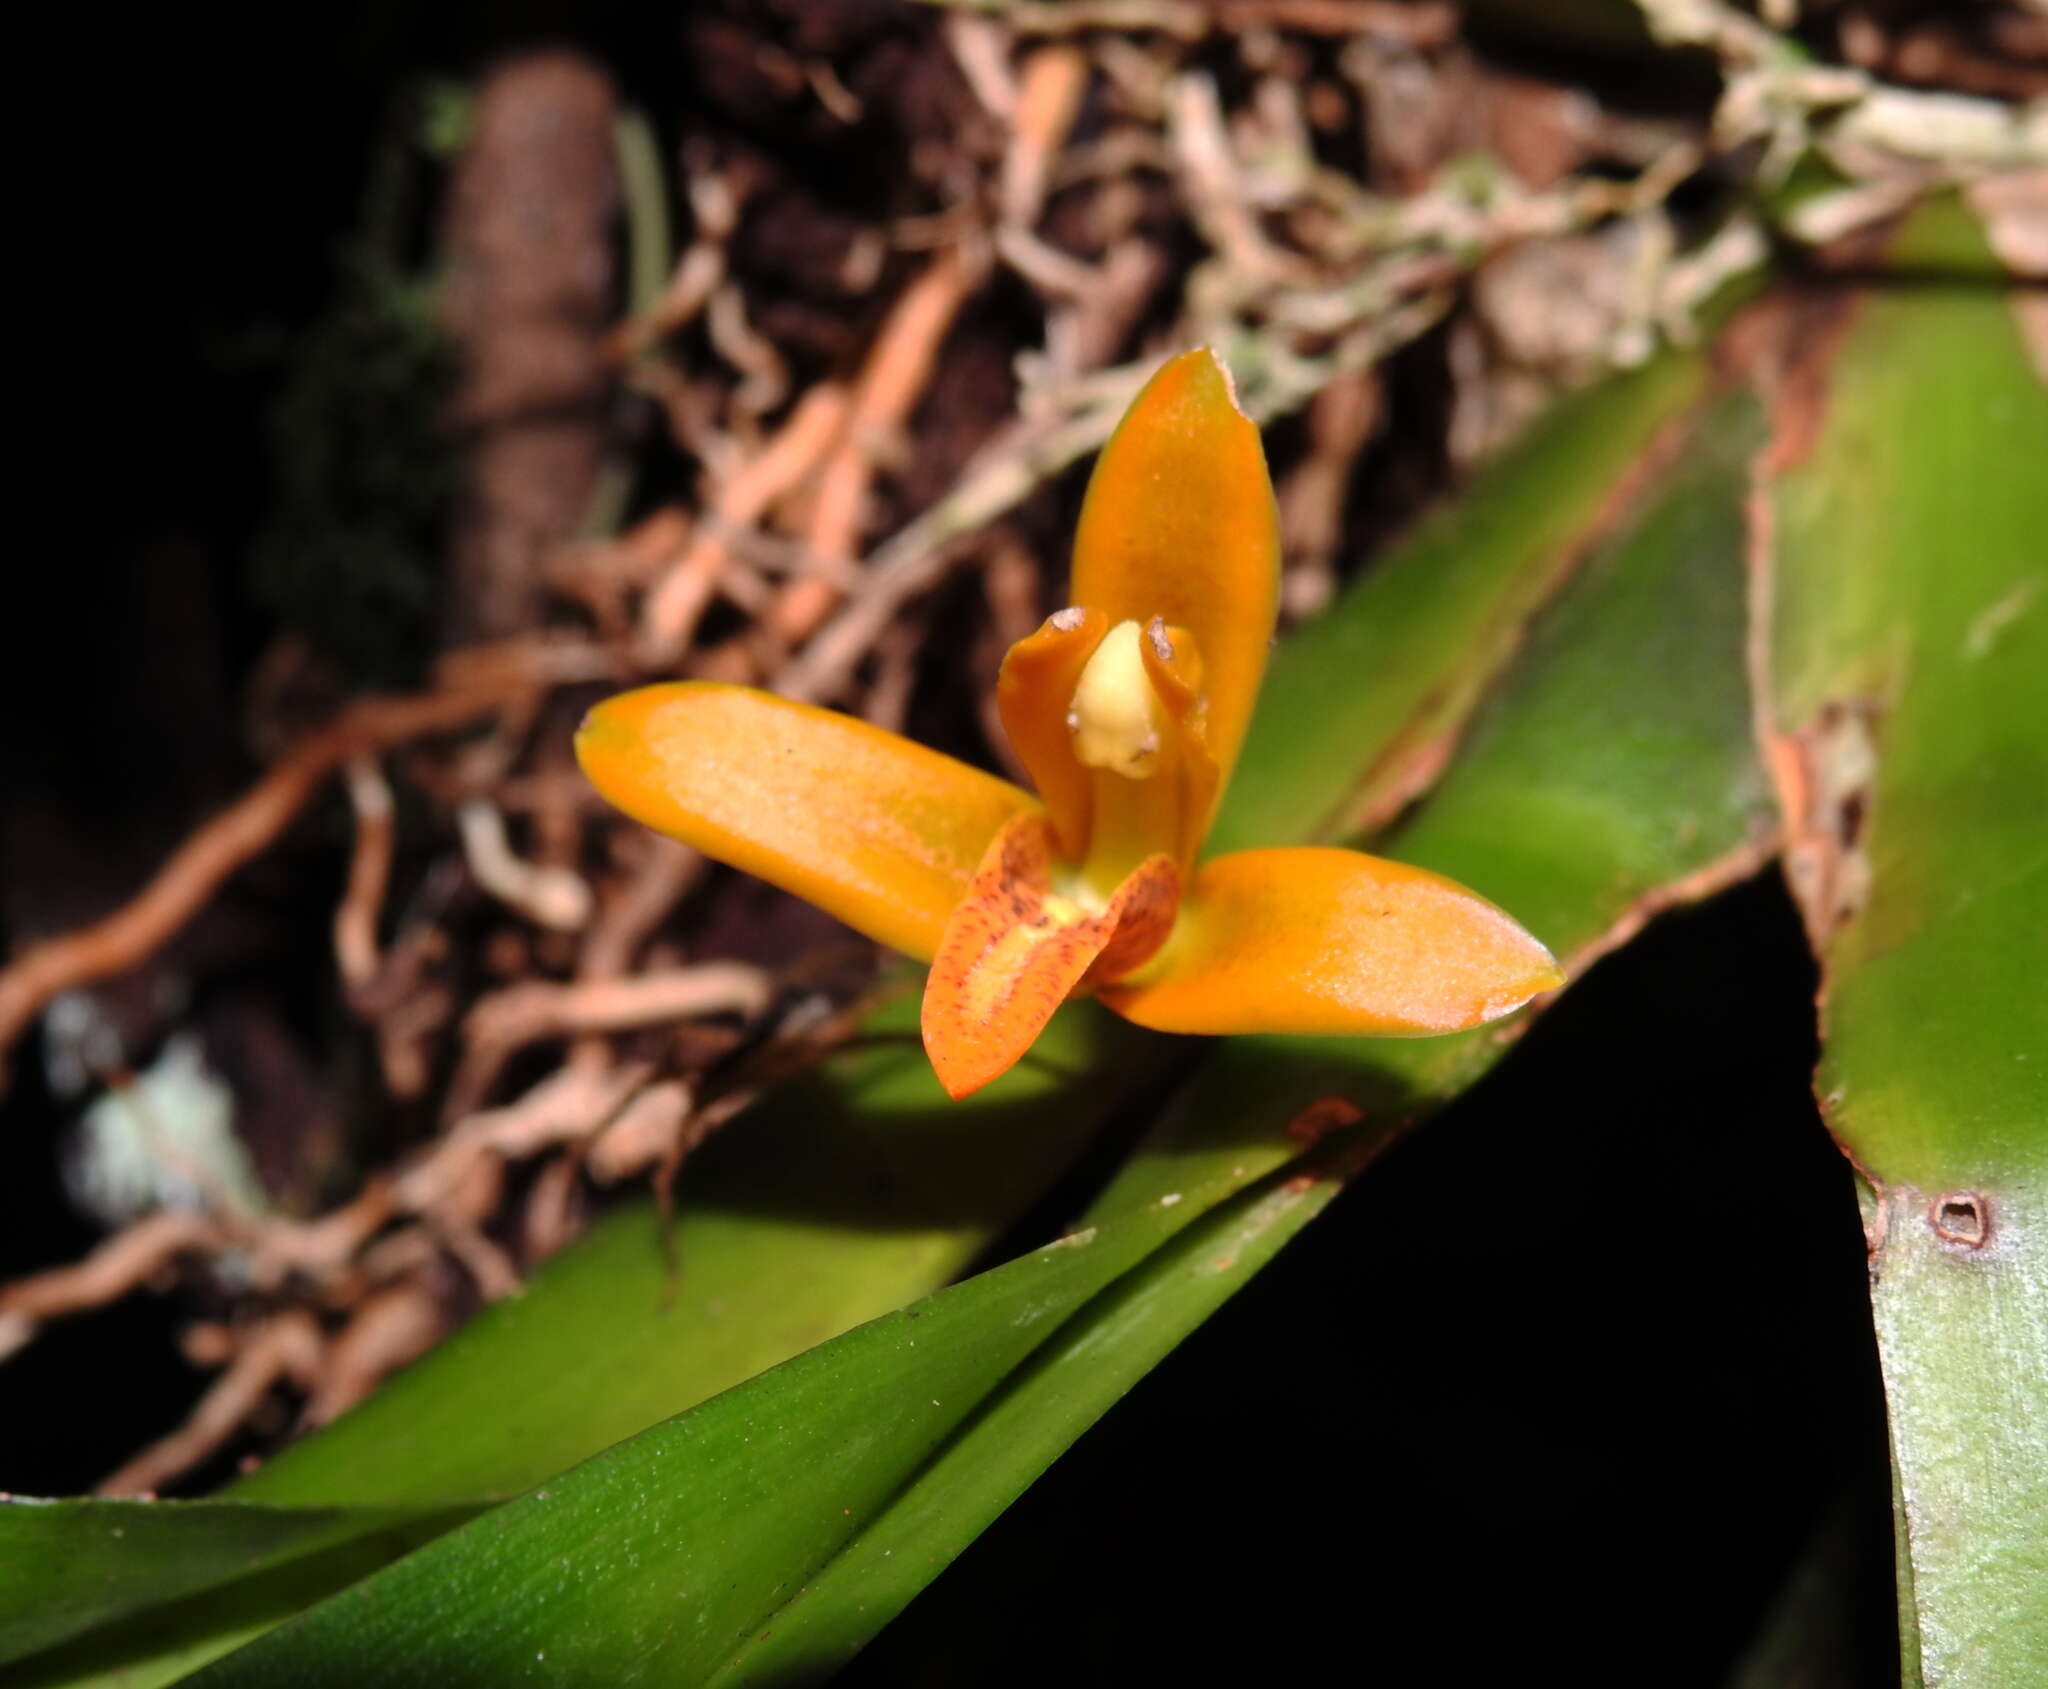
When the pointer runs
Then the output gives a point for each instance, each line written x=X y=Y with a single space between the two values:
x=205 y=860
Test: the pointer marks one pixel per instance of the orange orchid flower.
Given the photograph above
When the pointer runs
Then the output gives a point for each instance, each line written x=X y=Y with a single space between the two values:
x=1128 y=710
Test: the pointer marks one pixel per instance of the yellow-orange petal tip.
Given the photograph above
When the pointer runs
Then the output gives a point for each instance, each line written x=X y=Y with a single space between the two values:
x=1506 y=1001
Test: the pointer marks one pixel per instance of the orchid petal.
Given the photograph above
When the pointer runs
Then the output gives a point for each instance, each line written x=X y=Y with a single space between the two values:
x=872 y=828
x=1033 y=691
x=1332 y=941
x=1173 y=661
x=1179 y=522
x=1014 y=950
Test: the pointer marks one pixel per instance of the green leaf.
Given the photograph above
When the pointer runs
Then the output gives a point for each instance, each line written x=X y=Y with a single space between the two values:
x=1909 y=656
x=1361 y=703
x=67 y=1566
x=1027 y=1424
x=145 y=1632
x=654 y=1560
x=1582 y=830
x=838 y=1199
x=765 y=1536
x=834 y=1201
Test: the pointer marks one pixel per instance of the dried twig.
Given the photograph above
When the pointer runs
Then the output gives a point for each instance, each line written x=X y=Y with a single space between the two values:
x=644 y=1133
x=1341 y=419
x=509 y=1020
x=1048 y=98
x=674 y=606
x=537 y=1009
x=369 y=873
x=715 y=201
x=392 y=1326
x=1427 y=24
x=898 y=369
x=552 y=897
x=896 y=652
x=287 y=1347
x=110 y=1272
x=205 y=860
x=667 y=871
x=574 y=1101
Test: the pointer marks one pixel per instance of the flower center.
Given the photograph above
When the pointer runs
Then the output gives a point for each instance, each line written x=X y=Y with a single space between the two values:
x=1116 y=717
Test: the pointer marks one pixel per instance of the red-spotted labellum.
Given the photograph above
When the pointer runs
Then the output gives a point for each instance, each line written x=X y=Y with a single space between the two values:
x=1128 y=710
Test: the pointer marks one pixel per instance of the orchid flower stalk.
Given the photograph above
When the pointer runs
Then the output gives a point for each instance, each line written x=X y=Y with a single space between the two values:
x=1128 y=709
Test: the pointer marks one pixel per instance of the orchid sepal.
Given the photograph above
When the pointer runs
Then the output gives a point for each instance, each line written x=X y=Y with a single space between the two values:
x=874 y=828
x=1335 y=942
x=1180 y=524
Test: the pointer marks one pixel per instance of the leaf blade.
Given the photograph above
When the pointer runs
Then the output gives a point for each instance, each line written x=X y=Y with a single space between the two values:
x=1433 y=624
x=584 y=1574
x=1909 y=719
x=67 y=1567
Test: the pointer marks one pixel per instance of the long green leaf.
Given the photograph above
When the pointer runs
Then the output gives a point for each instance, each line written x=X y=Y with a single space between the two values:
x=67 y=1566
x=834 y=1201
x=1360 y=711
x=651 y=1562
x=838 y=1199
x=1910 y=658
x=159 y=1636
x=1090 y=1363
